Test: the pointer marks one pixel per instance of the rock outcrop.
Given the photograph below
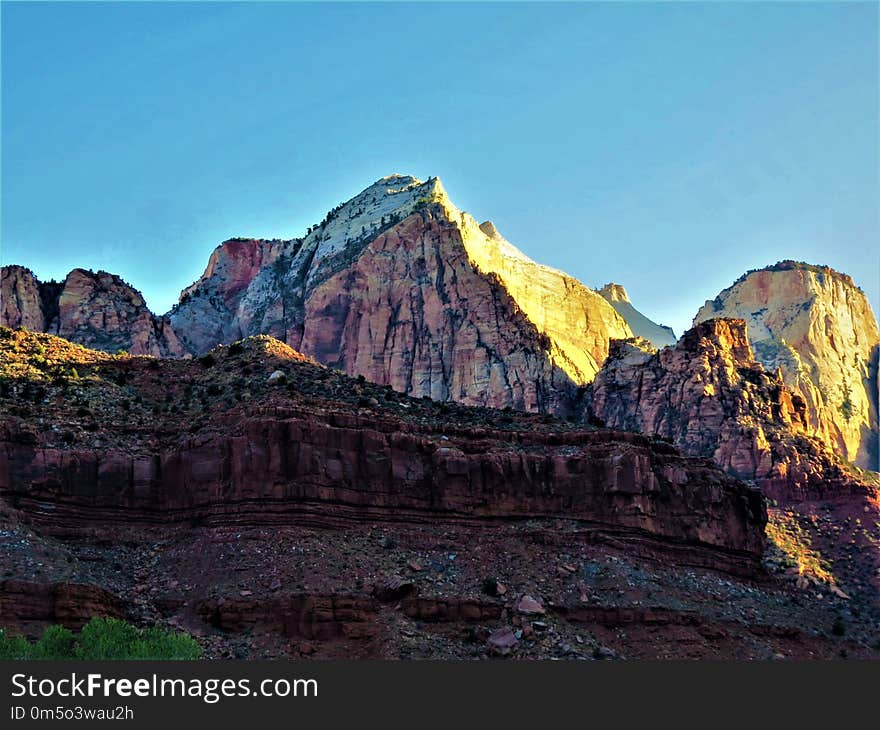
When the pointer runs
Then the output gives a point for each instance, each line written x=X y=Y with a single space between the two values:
x=709 y=396
x=23 y=603
x=290 y=454
x=98 y=310
x=815 y=326
x=21 y=303
x=657 y=334
x=401 y=287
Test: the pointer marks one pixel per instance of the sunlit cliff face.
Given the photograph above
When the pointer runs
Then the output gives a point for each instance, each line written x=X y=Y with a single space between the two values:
x=402 y=287
x=578 y=322
x=817 y=327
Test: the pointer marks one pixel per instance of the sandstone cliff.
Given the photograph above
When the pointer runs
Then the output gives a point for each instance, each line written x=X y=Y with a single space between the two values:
x=170 y=442
x=710 y=396
x=657 y=334
x=97 y=310
x=817 y=327
x=401 y=287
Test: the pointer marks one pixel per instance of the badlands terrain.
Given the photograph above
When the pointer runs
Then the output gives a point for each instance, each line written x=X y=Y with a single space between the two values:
x=398 y=436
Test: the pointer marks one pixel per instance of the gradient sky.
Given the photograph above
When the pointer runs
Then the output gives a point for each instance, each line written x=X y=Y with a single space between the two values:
x=667 y=147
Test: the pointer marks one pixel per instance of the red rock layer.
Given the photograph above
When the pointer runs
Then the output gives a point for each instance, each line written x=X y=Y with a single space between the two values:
x=23 y=603
x=325 y=467
x=414 y=313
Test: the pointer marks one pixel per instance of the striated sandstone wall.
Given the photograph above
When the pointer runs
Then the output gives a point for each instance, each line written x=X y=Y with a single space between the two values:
x=323 y=467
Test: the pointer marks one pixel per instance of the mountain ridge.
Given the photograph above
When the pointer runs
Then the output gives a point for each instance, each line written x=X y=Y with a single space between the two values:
x=399 y=285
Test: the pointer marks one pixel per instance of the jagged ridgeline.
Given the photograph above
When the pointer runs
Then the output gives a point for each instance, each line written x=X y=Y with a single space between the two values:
x=401 y=287
x=397 y=285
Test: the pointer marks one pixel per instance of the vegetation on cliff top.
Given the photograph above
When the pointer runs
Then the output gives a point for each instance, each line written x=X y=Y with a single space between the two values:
x=66 y=395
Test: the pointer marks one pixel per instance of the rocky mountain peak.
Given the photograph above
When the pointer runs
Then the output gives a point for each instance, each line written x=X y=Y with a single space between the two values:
x=710 y=397
x=386 y=201
x=657 y=334
x=96 y=309
x=816 y=326
x=20 y=299
x=233 y=264
x=399 y=285
x=614 y=293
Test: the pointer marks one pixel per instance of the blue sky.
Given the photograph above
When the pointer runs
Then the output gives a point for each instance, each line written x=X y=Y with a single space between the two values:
x=667 y=147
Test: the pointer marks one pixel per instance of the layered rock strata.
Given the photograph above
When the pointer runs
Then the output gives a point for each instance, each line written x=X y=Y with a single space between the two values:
x=286 y=456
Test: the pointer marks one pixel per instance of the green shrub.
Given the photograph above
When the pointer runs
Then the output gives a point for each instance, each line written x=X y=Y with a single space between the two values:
x=56 y=641
x=13 y=647
x=158 y=644
x=106 y=638
x=102 y=638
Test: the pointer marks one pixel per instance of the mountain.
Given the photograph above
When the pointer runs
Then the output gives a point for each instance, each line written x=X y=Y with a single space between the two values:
x=98 y=310
x=400 y=286
x=173 y=436
x=711 y=397
x=816 y=327
x=657 y=334
x=276 y=508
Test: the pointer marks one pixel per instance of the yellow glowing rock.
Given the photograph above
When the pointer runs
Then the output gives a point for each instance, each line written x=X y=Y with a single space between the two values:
x=816 y=326
x=578 y=321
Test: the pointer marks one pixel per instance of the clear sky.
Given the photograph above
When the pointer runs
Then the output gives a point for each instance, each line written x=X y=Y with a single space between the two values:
x=667 y=147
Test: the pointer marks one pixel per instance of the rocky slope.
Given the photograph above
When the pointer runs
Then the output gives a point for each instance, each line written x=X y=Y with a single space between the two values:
x=815 y=326
x=276 y=508
x=401 y=287
x=97 y=310
x=657 y=334
x=709 y=396
x=157 y=444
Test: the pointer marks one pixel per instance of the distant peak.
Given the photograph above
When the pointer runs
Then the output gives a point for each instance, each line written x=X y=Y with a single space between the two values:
x=384 y=203
x=614 y=293
x=397 y=184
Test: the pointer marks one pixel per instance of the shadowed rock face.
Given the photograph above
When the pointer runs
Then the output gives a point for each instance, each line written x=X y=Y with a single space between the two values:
x=709 y=396
x=98 y=310
x=401 y=287
x=413 y=312
x=326 y=469
x=286 y=457
x=203 y=314
x=815 y=326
